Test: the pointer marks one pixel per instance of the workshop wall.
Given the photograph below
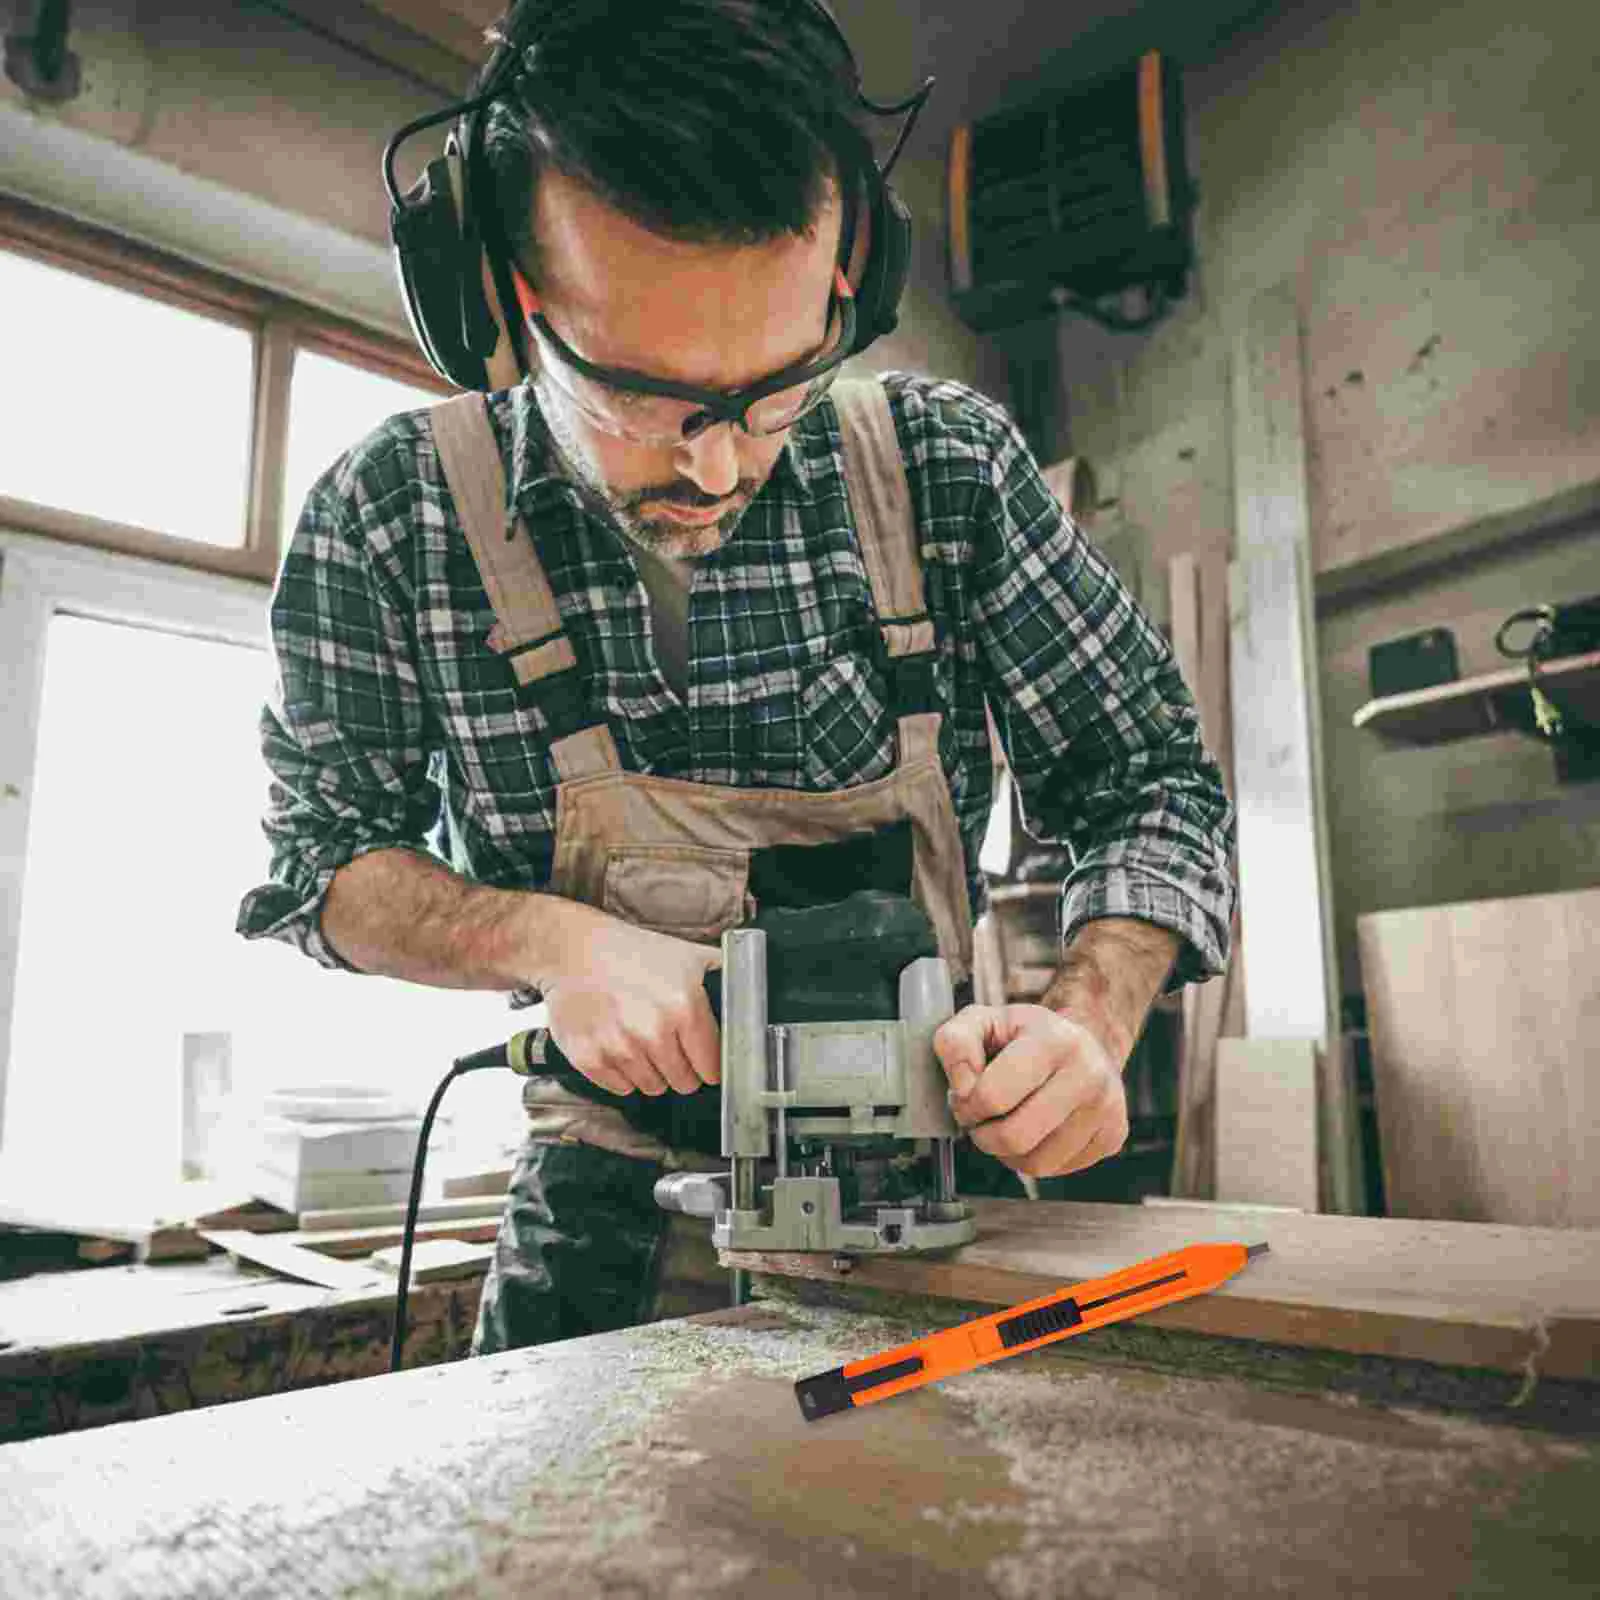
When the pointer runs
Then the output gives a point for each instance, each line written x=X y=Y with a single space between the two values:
x=1424 y=178
x=239 y=96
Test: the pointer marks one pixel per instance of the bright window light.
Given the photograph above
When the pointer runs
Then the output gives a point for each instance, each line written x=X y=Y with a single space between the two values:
x=143 y=834
x=122 y=407
x=333 y=405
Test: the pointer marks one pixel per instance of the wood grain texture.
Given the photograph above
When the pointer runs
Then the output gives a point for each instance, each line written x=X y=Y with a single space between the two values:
x=1285 y=880
x=1452 y=1293
x=1198 y=589
x=673 y=1460
x=1266 y=1122
x=283 y=1254
x=1484 y=1019
x=82 y=1349
x=1488 y=703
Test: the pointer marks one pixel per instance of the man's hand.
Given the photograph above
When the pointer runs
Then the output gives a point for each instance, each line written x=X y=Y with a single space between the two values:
x=1038 y=1090
x=628 y=1007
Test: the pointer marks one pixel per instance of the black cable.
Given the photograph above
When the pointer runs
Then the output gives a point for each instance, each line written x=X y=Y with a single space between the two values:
x=408 y=1235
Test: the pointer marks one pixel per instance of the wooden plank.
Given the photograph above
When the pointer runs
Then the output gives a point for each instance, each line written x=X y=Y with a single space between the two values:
x=1266 y=1121
x=1198 y=589
x=474 y=1207
x=1484 y=1018
x=1490 y=702
x=1285 y=897
x=1453 y=1293
x=162 y=1223
x=347 y=1243
x=495 y=1180
x=79 y=1350
x=436 y=1259
x=282 y=1253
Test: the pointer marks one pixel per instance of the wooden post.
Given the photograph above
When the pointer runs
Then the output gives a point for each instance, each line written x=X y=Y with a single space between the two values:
x=1284 y=881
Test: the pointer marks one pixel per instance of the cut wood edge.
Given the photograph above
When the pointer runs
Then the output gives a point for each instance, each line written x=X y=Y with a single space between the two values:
x=1535 y=1327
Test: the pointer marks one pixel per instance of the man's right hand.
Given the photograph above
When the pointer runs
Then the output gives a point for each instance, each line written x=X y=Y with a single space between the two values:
x=628 y=1007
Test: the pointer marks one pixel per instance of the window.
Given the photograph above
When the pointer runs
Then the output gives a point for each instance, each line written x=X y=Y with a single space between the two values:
x=332 y=405
x=122 y=407
x=131 y=780
x=142 y=834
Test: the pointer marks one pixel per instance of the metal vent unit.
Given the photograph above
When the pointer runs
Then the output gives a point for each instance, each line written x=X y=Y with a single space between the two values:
x=1071 y=201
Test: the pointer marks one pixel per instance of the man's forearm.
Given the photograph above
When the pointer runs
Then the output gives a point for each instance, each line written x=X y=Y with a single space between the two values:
x=401 y=914
x=1109 y=978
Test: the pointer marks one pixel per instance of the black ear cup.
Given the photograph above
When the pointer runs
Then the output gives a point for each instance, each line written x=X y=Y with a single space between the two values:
x=888 y=262
x=435 y=282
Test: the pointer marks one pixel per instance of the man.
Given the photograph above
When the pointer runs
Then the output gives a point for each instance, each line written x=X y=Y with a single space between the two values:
x=617 y=660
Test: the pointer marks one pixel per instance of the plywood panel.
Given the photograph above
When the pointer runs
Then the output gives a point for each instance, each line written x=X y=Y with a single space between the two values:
x=1485 y=1024
x=1266 y=1122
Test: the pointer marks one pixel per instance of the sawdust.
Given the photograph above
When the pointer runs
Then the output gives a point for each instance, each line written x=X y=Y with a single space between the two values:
x=1303 y=1494
x=673 y=1461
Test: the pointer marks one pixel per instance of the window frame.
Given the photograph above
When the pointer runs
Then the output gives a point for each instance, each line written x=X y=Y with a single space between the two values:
x=40 y=579
x=56 y=561
x=280 y=327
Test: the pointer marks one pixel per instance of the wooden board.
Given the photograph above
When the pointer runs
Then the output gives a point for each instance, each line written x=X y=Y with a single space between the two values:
x=1485 y=1026
x=162 y=1224
x=283 y=1254
x=1454 y=1293
x=474 y=1206
x=1285 y=893
x=1266 y=1122
x=435 y=1259
x=82 y=1349
x=1198 y=588
x=352 y=1242
x=1489 y=702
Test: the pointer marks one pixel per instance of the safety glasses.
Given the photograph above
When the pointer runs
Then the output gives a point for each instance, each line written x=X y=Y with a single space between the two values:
x=632 y=405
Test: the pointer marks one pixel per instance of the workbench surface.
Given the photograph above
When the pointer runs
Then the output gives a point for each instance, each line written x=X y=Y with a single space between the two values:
x=672 y=1460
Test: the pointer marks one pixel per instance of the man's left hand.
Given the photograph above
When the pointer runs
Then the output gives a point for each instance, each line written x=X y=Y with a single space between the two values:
x=1037 y=1090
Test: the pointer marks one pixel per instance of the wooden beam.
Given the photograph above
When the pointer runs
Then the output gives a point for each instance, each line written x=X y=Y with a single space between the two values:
x=1451 y=1293
x=1286 y=910
x=446 y=26
x=419 y=53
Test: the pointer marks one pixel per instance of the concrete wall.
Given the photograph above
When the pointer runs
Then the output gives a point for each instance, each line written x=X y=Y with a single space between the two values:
x=1424 y=176
x=240 y=138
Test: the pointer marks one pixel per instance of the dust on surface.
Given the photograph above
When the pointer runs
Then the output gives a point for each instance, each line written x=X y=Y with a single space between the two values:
x=673 y=1461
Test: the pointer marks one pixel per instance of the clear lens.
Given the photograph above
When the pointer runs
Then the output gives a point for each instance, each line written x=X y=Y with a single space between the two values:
x=658 y=420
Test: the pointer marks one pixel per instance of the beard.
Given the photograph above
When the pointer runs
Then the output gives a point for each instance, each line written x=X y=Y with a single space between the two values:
x=659 y=535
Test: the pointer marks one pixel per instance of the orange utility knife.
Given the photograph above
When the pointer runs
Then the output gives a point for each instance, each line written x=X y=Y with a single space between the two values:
x=1160 y=1281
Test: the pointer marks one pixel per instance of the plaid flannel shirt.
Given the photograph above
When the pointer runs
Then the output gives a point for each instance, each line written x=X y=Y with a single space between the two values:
x=394 y=724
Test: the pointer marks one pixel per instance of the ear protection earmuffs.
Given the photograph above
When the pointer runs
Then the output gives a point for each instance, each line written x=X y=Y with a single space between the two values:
x=447 y=238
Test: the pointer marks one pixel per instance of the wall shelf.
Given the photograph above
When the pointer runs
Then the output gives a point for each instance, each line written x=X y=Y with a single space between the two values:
x=1493 y=702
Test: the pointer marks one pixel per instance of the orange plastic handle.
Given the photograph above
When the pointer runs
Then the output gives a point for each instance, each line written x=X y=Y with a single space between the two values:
x=1160 y=1281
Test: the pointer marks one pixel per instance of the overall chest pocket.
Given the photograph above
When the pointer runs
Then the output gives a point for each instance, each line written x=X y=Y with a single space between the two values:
x=847 y=727
x=688 y=891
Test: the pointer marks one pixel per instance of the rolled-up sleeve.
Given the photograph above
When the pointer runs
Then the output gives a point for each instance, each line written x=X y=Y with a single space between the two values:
x=344 y=736
x=1100 y=730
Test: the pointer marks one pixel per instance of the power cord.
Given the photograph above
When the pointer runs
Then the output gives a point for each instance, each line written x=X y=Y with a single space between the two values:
x=458 y=1069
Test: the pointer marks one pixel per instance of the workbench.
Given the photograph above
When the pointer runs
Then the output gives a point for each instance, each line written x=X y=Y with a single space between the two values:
x=672 y=1460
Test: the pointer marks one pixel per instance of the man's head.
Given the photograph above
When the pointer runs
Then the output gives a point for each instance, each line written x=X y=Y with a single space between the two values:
x=672 y=177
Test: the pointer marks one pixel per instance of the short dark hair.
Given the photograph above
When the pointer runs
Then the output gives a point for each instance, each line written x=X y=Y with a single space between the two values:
x=705 y=121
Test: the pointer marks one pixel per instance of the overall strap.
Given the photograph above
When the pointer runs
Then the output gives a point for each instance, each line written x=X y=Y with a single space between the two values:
x=886 y=527
x=527 y=628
